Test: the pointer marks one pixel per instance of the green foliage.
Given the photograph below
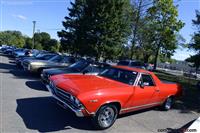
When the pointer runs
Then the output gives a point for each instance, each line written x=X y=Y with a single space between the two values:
x=43 y=38
x=38 y=46
x=43 y=41
x=53 y=45
x=164 y=26
x=96 y=27
x=12 y=38
x=28 y=43
x=195 y=59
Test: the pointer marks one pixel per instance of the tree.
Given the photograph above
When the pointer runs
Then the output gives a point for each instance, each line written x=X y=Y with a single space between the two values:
x=28 y=43
x=195 y=59
x=53 y=45
x=12 y=38
x=138 y=26
x=43 y=41
x=42 y=38
x=96 y=27
x=195 y=43
x=164 y=26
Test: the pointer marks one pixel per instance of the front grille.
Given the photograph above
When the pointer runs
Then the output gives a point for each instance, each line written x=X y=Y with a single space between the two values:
x=45 y=77
x=25 y=64
x=64 y=96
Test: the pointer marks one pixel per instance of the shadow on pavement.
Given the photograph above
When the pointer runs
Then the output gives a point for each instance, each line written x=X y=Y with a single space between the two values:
x=189 y=102
x=36 y=85
x=7 y=66
x=44 y=115
x=18 y=73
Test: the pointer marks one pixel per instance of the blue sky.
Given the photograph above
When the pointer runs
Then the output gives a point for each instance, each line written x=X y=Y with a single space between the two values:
x=19 y=14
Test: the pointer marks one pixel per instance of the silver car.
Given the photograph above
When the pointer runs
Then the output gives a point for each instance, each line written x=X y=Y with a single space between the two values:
x=57 y=61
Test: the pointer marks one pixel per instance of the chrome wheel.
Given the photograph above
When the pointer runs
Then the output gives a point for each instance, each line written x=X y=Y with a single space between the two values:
x=168 y=103
x=106 y=117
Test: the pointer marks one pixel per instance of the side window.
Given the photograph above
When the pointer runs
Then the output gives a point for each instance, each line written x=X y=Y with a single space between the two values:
x=59 y=59
x=65 y=60
x=89 y=69
x=147 y=80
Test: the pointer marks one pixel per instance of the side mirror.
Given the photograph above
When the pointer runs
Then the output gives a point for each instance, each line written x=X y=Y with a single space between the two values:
x=141 y=84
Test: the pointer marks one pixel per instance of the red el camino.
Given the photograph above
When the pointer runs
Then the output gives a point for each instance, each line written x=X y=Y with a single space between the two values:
x=117 y=90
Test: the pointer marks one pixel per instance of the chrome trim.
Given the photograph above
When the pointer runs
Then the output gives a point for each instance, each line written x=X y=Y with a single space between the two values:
x=78 y=112
x=149 y=75
x=137 y=79
x=135 y=107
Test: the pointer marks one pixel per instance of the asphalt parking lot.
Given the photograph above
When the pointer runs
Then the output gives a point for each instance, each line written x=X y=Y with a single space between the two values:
x=26 y=106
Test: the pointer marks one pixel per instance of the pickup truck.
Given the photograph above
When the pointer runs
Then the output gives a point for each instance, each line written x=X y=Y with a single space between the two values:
x=116 y=90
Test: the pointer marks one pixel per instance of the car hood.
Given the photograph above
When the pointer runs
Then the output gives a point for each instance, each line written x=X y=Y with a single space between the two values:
x=78 y=84
x=55 y=71
x=44 y=62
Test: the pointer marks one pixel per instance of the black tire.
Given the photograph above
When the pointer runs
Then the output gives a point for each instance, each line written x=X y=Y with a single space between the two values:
x=104 y=123
x=167 y=105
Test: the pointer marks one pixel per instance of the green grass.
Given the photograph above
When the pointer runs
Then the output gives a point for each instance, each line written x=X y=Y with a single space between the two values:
x=184 y=81
x=190 y=100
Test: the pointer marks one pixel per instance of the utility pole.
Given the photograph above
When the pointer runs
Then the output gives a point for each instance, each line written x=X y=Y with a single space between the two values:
x=34 y=22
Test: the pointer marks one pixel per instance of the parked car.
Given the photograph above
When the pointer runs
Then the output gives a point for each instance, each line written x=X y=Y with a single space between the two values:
x=8 y=50
x=38 y=56
x=132 y=63
x=82 y=66
x=190 y=75
x=57 y=61
x=117 y=90
x=18 y=52
x=198 y=85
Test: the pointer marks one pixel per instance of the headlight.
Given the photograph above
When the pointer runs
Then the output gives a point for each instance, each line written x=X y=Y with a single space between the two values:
x=71 y=98
x=76 y=101
x=51 y=84
x=29 y=66
x=37 y=63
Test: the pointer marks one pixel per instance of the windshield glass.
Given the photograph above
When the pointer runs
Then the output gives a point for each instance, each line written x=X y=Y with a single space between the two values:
x=80 y=65
x=121 y=75
x=55 y=58
x=45 y=56
x=123 y=63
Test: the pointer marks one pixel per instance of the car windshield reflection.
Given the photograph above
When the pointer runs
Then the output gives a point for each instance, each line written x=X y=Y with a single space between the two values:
x=124 y=76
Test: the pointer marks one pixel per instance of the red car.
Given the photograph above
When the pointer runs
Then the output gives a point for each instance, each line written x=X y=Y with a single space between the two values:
x=117 y=90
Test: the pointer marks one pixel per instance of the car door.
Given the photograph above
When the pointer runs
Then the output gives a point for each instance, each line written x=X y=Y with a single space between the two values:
x=146 y=93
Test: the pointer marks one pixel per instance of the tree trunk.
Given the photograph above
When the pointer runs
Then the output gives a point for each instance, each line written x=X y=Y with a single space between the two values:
x=135 y=30
x=156 y=57
x=146 y=58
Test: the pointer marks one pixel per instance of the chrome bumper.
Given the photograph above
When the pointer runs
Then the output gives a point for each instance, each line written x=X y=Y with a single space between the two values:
x=78 y=112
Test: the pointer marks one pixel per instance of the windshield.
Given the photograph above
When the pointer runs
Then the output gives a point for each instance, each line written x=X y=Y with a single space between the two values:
x=80 y=65
x=123 y=63
x=44 y=56
x=55 y=58
x=121 y=75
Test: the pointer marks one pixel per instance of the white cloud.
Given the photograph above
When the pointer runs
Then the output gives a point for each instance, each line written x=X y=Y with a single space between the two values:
x=19 y=16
